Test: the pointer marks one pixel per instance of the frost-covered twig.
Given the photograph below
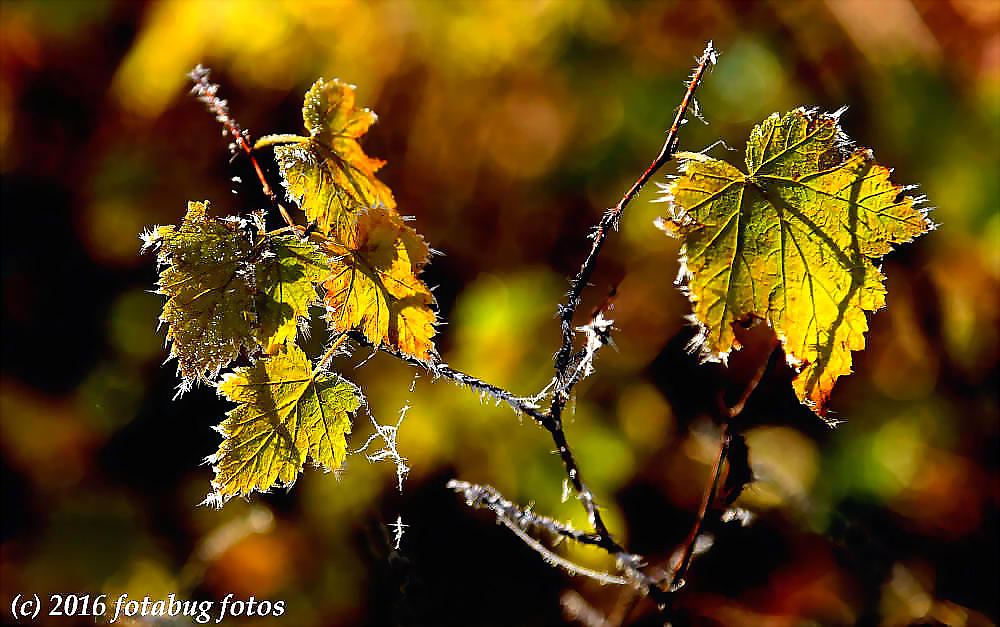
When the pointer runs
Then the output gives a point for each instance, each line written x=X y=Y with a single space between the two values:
x=207 y=92
x=610 y=219
x=520 y=521
x=566 y=376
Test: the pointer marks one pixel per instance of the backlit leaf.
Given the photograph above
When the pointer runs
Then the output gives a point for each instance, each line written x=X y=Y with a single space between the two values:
x=286 y=283
x=283 y=415
x=376 y=288
x=328 y=173
x=209 y=289
x=792 y=242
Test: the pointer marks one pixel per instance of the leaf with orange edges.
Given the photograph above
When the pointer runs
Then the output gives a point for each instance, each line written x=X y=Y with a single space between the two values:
x=328 y=173
x=793 y=242
x=376 y=289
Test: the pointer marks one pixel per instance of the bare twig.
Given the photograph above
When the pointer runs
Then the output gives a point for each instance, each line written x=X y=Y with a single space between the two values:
x=566 y=376
x=610 y=219
x=520 y=521
x=727 y=414
x=207 y=92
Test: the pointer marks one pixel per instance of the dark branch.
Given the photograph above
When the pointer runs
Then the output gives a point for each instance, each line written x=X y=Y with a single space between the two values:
x=727 y=415
x=566 y=375
x=610 y=219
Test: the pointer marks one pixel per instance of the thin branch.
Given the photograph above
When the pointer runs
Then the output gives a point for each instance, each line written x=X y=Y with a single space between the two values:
x=565 y=379
x=728 y=414
x=610 y=219
x=519 y=520
x=689 y=544
x=440 y=369
x=484 y=496
x=207 y=91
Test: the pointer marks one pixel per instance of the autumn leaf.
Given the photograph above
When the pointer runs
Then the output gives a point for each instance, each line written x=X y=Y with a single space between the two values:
x=792 y=242
x=286 y=279
x=376 y=289
x=284 y=413
x=328 y=173
x=208 y=284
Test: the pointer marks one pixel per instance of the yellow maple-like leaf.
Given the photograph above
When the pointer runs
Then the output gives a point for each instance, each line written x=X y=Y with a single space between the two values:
x=791 y=242
x=376 y=288
x=328 y=173
x=284 y=413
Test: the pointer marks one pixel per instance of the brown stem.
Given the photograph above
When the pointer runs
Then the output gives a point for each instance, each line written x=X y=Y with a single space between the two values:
x=207 y=93
x=727 y=414
x=563 y=381
x=706 y=504
x=611 y=217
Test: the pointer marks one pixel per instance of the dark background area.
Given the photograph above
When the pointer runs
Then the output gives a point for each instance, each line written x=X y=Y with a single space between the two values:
x=507 y=128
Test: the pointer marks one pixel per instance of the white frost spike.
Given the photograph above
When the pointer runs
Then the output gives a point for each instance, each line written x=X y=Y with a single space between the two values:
x=398 y=527
x=743 y=516
x=150 y=238
x=388 y=433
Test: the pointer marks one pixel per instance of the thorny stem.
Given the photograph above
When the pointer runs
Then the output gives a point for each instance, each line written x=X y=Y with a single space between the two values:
x=610 y=219
x=563 y=384
x=440 y=369
x=206 y=91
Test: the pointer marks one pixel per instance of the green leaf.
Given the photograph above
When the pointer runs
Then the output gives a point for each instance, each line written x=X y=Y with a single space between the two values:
x=791 y=242
x=328 y=173
x=286 y=283
x=285 y=412
x=208 y=284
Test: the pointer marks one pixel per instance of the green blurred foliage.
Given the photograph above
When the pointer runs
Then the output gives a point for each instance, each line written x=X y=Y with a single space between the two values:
x=508 y=127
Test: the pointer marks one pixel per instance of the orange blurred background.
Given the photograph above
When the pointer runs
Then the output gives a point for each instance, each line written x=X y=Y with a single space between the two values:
x=508 y=127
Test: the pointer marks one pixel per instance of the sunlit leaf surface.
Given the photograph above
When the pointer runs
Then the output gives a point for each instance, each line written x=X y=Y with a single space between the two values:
x=792 y=242
x=376 y=287
x=328 y=173
x=286 y=281
x=209 y=310
x=284 y=413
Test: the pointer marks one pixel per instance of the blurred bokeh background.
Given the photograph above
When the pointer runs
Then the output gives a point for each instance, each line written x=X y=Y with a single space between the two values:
x=508 y=126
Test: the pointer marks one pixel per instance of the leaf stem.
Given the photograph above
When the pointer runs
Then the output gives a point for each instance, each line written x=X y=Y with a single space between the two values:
x=329 y=354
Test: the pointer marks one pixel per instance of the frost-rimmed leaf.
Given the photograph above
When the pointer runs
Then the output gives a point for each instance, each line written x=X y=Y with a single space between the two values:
x=286 y=280
x=328 y=173
x=209 y=289
x=284 y=413
x=792 y=242
x=376 y=288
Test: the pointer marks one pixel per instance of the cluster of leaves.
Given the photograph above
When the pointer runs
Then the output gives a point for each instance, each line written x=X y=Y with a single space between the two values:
x=792 y=242
x=233 y=289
